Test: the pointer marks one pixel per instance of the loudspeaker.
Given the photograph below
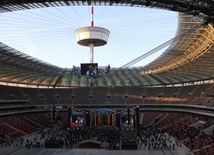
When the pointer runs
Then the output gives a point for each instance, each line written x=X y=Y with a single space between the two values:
x=137 y=117
x=87 y=119
x=118 y=120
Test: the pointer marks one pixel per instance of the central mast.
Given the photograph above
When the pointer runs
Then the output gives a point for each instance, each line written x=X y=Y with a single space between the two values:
x=92 y=44
x=92 y=36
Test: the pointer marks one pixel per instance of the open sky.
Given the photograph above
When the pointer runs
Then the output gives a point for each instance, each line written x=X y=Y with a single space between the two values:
x=48 y=33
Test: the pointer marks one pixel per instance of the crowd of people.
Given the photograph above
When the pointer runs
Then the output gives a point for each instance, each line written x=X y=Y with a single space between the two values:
x=108 y=137
x=105 y=135
x=154 y=138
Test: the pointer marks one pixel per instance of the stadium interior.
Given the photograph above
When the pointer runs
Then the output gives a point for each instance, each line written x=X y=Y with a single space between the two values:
x=173 y=94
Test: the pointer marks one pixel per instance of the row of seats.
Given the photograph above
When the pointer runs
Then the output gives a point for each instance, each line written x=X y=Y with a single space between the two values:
x=199 y=142
x=208 y=150
x=17 y=126
x=196 y=94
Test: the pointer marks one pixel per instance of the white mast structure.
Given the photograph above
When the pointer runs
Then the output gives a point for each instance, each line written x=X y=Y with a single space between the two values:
x=92 y=36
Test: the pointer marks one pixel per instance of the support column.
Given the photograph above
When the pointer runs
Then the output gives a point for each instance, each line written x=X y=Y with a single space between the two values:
x=69 y=115
x=91 y=53
x=128 y=115
x=54 y=115
x=137 y=117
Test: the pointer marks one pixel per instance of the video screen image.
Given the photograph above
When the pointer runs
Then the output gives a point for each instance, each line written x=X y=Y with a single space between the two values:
x=77 y=119
x=90 y=69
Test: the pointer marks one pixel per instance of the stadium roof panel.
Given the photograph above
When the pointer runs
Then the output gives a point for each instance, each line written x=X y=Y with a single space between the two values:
x=189 y=7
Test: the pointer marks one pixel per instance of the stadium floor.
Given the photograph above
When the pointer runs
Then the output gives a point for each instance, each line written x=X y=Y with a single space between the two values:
x=75 y=151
